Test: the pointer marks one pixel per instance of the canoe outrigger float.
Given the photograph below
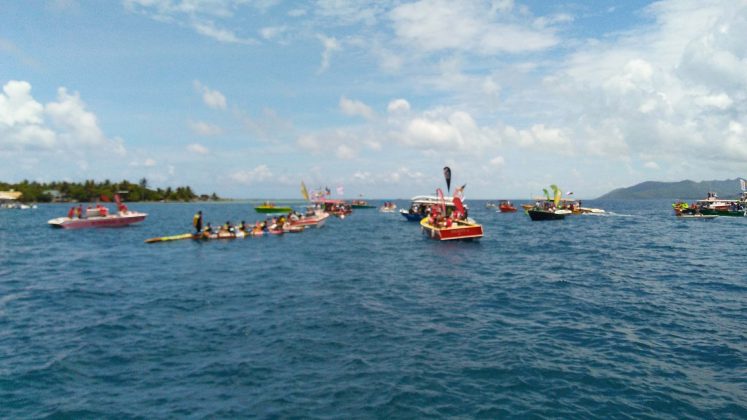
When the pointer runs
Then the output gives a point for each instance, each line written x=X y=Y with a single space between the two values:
x=221 y=235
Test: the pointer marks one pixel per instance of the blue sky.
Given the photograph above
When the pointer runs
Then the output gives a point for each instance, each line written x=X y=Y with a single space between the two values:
x=249 y=98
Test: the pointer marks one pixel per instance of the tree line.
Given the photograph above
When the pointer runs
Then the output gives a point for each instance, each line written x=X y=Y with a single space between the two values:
x=91 y=191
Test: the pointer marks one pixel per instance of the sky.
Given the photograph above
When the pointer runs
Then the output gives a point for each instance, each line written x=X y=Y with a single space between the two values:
x=250 y=98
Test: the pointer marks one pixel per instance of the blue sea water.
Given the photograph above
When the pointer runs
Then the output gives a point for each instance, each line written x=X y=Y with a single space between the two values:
x=634 y=314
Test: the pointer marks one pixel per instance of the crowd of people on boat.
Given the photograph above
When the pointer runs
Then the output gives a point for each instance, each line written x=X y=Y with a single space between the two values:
x=445 y=219
x=91 y=211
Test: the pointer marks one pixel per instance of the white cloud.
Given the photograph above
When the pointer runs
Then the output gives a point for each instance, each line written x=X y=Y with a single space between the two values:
x=197 y=149
x=148 y=163
x=212 y=98
x=209 y=29
x=651 y=165
x=17 y=106
x=398 y=106
x=669 y=89
x=198 y=15
x=202 y=128
x=345 y=152
x=434 y=25
x=498 y=162
x=541 y=138
x=252 y=176
x=78 y=126
x=442 y=129
x=353 y=107
x=272 y=32
x=330 y=46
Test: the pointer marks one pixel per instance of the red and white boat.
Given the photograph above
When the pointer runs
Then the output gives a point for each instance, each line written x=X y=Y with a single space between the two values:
x=313 y=217
x=98 y=217
x=337 y=208
x=506 y=206
x=456 y=229
x=447 y=227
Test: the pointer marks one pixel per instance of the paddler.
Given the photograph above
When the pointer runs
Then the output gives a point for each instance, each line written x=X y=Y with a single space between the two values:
x=197 y=221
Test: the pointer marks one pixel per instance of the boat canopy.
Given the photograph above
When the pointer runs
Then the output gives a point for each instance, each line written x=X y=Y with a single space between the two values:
x=431 y=199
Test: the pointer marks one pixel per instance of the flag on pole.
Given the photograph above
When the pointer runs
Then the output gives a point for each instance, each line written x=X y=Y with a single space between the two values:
x=304 y=192
x=459 y=192
x=447 y=177
x=326 y=189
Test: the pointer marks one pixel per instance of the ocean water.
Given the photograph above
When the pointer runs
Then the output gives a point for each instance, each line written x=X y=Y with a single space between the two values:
x=630 y=315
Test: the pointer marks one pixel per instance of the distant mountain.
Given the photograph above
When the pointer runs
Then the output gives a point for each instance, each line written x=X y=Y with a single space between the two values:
x=686 y=190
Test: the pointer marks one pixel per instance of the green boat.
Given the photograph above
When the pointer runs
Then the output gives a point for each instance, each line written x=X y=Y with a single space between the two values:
x=361 y=204
x=268 y=207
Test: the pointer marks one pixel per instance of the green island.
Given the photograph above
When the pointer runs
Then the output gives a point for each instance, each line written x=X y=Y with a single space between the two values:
x=686 y=190
x=91 y=191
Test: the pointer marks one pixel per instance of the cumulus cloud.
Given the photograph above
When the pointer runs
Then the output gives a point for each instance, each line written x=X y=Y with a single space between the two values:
x=443 y=129
x=353 y=107
x=671 y=89
x=541 y=138
x=197 y=148
x=64 y=124
x=17 y=106
x=252 y=176
x=212 y=98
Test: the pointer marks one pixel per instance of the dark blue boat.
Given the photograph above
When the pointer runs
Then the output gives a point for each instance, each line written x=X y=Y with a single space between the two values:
x=412 y=217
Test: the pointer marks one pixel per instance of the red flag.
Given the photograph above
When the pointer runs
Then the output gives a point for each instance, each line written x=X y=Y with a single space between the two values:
x=105 y=198
x=459 y=207
x=441 y=200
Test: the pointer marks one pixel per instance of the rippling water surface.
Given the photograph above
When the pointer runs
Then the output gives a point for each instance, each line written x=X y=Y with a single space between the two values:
x=633 y=314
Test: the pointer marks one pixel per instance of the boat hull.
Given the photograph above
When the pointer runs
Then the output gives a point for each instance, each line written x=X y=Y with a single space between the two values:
x=697 y=216
x=458 y=231
x=719 y=212
x=412 y=217
x=268 y=210
x=505 y=209
x=317 y=221
x=540 y=215
x=110 y=221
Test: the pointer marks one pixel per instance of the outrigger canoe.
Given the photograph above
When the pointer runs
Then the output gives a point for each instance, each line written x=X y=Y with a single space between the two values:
x=220 y=235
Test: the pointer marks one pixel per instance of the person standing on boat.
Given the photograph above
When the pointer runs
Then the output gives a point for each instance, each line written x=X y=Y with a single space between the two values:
x=197 y=221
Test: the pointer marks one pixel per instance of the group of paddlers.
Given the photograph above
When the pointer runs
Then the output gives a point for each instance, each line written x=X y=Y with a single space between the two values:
x=273 y=224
